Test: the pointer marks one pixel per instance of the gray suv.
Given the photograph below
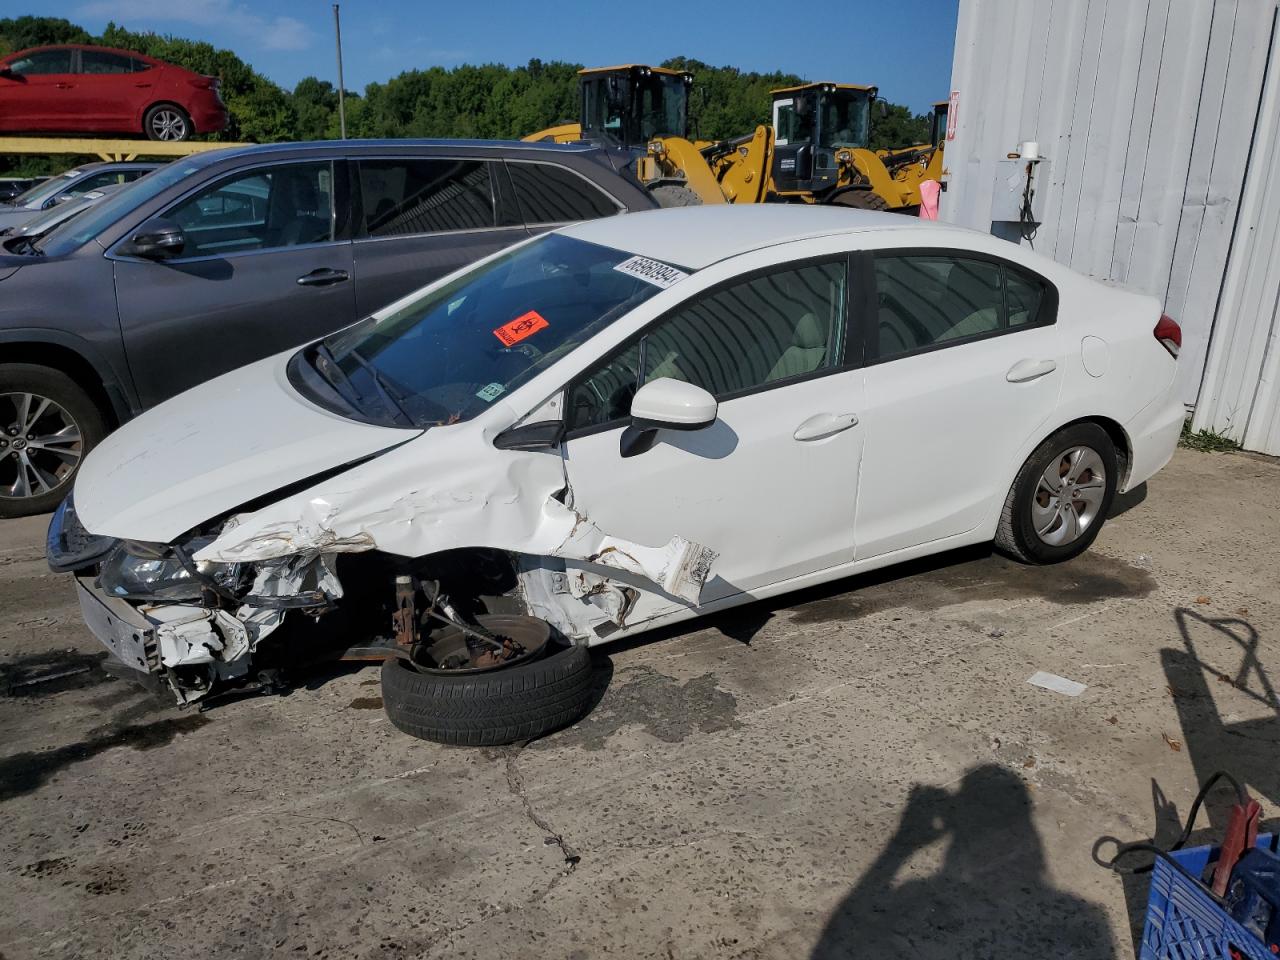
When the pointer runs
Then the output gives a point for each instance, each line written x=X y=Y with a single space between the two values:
x=222 y=258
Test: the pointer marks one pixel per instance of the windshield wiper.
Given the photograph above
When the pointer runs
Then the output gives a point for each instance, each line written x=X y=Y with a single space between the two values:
x=327 y=366
x=383 y=390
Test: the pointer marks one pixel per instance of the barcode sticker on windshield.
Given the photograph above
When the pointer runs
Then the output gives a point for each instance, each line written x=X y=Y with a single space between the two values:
x=491 y=392
x=651 y=271
x=525 y=325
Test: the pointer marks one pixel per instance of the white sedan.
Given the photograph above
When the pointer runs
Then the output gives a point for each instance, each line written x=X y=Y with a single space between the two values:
x=616 y=426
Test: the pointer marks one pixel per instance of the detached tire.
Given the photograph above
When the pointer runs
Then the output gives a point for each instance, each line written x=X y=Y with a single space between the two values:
x=1061 y=496
x=490 y=708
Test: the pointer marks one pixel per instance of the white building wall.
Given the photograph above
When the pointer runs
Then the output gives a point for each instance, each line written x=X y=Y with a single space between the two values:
x=1146 y=110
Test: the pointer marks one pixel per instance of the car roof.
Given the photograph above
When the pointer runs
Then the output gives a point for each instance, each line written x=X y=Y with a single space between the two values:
x=85 y=46
x=520 y=146
x=696 y=237
x=97 y=165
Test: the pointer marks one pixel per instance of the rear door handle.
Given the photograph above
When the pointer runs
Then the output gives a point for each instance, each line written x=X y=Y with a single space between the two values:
x=824 y=425
x=64 y=86
x=323 y=277
x=1025 y=370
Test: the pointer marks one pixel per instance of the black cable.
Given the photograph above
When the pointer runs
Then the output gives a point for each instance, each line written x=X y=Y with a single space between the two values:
x=1027 y=225
x=1124 y=849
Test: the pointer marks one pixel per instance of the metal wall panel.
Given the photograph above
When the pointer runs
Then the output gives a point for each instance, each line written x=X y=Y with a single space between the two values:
x=1146 y=109
x=1240 y=395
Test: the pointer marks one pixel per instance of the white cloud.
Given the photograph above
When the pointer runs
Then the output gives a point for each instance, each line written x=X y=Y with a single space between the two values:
x=266 y=32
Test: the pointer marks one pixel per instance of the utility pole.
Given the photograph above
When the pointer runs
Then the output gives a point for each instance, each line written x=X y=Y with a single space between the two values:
x=342 y=107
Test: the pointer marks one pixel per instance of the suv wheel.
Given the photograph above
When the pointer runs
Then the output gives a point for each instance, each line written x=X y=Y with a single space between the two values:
x=47 y=425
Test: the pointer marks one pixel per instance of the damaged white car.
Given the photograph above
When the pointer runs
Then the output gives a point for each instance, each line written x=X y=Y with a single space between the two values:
x=619 y=425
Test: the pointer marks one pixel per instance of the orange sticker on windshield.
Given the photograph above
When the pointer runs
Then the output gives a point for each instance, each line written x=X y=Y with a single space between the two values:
x=525 y=325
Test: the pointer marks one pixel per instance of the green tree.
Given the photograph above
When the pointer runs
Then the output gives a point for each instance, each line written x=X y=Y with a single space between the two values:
x=898 y=128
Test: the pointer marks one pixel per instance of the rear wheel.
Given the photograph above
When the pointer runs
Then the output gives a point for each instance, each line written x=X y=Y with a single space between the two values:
x=674 y=195
x=165 y=121
x=1061 y=496
x=47 y=425
x=860 y=199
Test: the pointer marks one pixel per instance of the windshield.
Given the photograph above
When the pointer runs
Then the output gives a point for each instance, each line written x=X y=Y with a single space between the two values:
x=78 y=231
x=45 y=189
x=846 y=119
x=447 y=356
x=661 y=100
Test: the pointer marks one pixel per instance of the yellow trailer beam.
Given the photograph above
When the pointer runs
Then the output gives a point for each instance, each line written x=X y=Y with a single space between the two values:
x=110 y=149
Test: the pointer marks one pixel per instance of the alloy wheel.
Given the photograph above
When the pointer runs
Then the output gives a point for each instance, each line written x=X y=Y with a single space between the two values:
x=168 y=124
x=40 y=445
x=1069 y=496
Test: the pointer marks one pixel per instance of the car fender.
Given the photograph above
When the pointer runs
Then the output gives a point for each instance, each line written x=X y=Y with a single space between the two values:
x=119 y=388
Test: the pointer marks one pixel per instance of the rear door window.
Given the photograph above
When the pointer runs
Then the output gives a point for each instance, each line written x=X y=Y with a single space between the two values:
x=548 y=193
x=412 y=196
x=281 y=206
x=927 y=301
x=100 y=61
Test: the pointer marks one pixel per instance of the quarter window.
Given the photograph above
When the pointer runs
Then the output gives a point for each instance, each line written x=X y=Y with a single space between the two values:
x=926 y=301
x=283 y=206
x=425 y=196
x=551 y=194
x=750 y=335
x=42 y=62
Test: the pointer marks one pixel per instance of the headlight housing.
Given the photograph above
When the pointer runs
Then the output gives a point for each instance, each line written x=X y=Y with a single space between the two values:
x=68 y=545
x=150 y=571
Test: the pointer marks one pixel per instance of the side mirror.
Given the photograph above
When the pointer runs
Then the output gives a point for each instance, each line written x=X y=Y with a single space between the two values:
x=156 y=239
x=6 y=71
x=884 y=107
x=666 y=404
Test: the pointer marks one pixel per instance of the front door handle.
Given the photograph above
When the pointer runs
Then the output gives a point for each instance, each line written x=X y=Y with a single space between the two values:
x=142 y=85
x=64 y=86
x=1025 y=370
x=323 y=277
x=824 y=425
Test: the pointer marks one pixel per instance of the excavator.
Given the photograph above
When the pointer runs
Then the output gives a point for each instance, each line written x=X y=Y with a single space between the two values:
x=815 y=151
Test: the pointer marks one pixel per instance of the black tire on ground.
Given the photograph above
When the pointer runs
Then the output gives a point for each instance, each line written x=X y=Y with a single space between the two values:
x=51 y=384
x=1016 y=534
x=493 y=707
x=674 y=195
x=861 y=199
x=163 y=116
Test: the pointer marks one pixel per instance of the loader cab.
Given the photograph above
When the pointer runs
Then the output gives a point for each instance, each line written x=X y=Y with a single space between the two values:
x=812 y=123
x=938 y=122
x=628 y=106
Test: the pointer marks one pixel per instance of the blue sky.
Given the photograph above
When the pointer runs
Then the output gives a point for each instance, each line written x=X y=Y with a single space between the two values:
x=904 y=46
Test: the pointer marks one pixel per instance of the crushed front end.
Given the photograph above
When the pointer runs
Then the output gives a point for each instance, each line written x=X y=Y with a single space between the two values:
x=192 y=625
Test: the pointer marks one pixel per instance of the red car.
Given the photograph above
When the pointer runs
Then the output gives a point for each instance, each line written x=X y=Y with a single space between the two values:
x=76 y=88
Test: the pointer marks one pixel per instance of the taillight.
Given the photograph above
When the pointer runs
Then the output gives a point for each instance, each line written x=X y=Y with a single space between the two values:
x=204 y=83
x=1169 y=334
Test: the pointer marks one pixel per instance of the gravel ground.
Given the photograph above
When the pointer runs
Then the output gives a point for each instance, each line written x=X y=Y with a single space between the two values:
x=857 y=770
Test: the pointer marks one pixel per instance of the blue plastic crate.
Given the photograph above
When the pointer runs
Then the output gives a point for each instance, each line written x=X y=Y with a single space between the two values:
x=1184 y=922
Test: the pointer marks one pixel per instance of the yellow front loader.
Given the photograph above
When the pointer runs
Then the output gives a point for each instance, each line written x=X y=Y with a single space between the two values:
x=816 y=150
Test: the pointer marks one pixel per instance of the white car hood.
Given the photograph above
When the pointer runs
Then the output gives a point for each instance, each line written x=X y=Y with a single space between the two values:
x=225 y=442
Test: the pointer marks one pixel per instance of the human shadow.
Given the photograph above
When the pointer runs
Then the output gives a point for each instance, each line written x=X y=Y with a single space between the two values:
x=991 y=897
x=1218 y=664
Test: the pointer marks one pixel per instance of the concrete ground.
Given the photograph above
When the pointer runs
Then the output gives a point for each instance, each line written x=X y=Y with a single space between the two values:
x=856 y=771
